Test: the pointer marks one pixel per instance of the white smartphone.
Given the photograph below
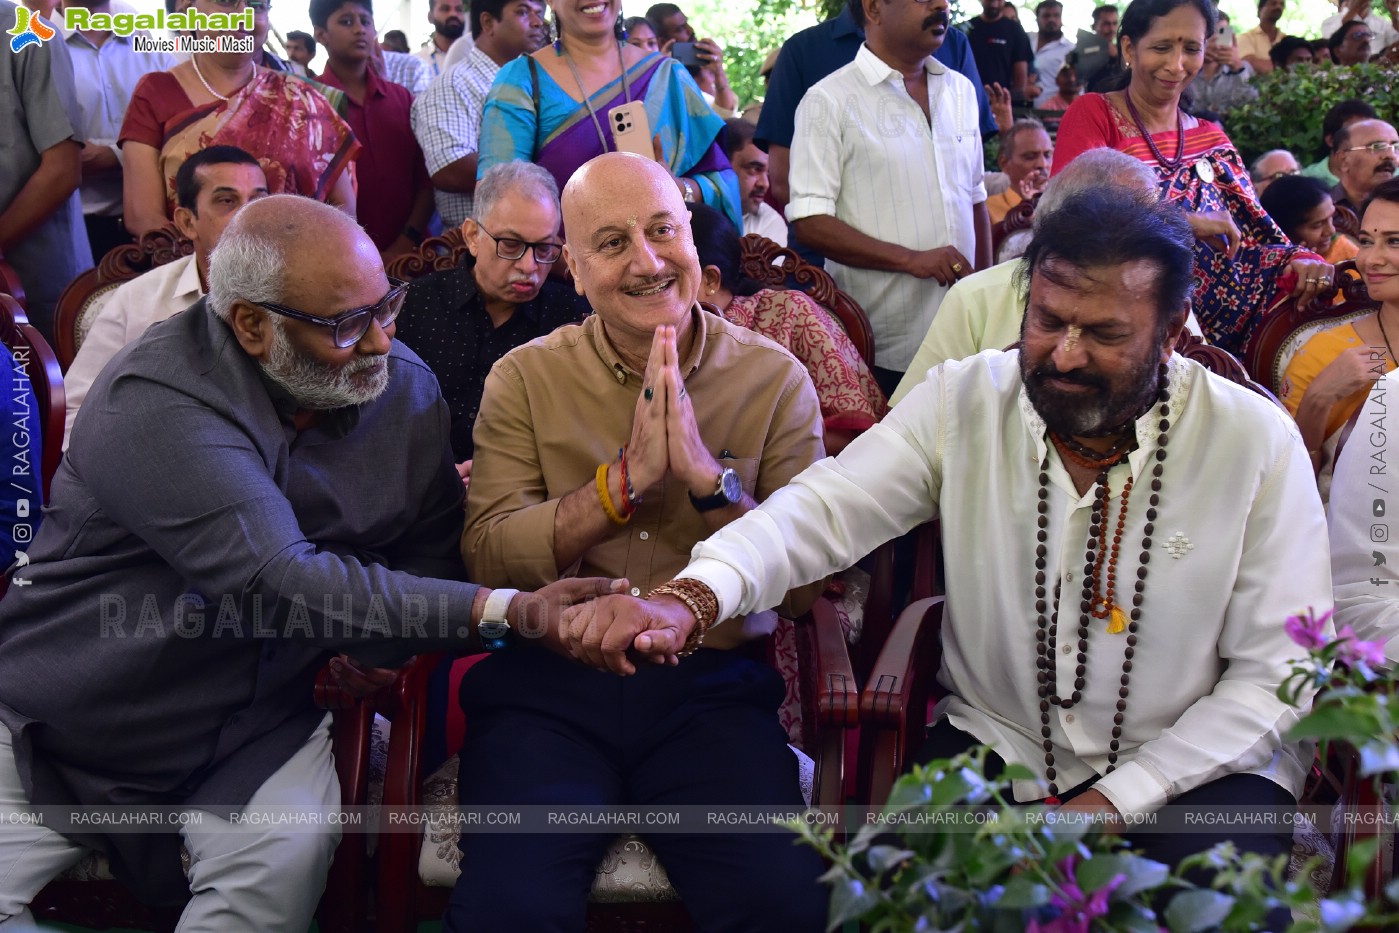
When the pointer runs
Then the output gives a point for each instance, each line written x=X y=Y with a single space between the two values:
x=1224 y=38
x=631 y=130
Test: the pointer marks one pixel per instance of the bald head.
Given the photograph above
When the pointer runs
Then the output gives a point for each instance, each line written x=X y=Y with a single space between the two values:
x=619 y=181
x=1134 y=181
x=331 y=254
x=629 y=245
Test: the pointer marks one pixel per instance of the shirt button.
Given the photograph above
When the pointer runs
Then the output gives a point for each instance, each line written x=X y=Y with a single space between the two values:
x=636 y=591
x=645 y=535
x=1069 y=718
x=1069 y=576
x=1067 y=649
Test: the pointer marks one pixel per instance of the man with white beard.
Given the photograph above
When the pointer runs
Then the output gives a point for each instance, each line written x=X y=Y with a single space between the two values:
x=258 y=482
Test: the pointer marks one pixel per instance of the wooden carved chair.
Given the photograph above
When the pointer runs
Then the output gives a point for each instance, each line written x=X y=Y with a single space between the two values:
x=10 y=283
x=88 y=896
x=630 y=892
x=83 y=298
x=1007 y=232
x=1346 y=222
x=434 y=254
x=1283 y=330
x=32 y=350
x=774 y=266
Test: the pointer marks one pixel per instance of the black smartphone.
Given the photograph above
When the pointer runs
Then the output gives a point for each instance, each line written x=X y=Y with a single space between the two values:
x=686 y=54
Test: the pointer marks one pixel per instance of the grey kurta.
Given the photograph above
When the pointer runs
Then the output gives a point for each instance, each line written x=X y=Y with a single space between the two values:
x=200 y=559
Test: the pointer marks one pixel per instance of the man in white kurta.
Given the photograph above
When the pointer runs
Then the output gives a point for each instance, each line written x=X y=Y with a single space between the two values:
x=888 y=185
x=1236 y=545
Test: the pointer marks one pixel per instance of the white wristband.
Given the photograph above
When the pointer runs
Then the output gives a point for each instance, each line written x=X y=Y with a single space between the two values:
x=497 y=604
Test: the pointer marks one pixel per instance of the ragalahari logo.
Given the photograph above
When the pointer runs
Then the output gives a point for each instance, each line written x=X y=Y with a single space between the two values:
x=29 y=30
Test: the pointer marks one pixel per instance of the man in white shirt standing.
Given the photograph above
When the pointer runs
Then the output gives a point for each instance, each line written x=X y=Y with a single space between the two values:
x=1148 y=678
x=1386 y=29
x=211 y=186
x=889 y=203
x=448 y=18
x=1051 y=47
x=105 y=70
x=751 y=166
x=447 y=116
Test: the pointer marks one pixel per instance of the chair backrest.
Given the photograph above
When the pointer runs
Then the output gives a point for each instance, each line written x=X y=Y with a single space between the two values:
x=1284 y=328
x=1019 y=217
x=85 y=295
x=33 y=351
x=1346 y=222
x=773 y=265
x=10 y=283
x=435 y=254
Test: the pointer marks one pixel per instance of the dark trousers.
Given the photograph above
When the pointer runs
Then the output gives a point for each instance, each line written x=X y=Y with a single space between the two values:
x=888 y=379
x=105 y=234
x=1233 y=790
x=545 y=730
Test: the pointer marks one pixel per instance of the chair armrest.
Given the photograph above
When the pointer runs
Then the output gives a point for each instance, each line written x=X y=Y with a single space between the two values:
x=837 y=696
x=404 y=703
x=894 y=705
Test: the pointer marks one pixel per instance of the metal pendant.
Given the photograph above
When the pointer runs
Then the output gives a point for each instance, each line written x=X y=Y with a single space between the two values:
x=1205 y=171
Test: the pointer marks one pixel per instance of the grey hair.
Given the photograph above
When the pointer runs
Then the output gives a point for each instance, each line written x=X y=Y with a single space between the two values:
x=1012 y=133
x=505 y=177
x=1098 y=168
x=244 y=265
x=1255 y=171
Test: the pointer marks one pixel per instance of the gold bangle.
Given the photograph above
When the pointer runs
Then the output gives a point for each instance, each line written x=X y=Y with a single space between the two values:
x=702 y=603
x=605 y=497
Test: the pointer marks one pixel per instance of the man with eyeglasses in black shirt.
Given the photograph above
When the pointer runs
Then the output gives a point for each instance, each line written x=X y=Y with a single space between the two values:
x=461 y=321
x=1365 y=158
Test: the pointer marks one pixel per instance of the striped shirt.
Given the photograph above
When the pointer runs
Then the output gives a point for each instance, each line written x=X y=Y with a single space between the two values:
x=447 y=122
x=863 y=152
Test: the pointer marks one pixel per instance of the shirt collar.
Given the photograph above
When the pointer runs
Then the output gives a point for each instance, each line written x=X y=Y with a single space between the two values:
x=373 y=85
x=1178 y=375
x=87 y=43
x=188 y=282
x=845 y=25
x=877 y=71
x=699 y=325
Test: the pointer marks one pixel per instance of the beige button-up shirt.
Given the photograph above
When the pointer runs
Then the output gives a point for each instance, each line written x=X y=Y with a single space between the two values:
x=556 y=408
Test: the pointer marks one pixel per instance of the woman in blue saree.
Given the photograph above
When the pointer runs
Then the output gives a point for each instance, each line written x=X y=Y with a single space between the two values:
x=551 y=107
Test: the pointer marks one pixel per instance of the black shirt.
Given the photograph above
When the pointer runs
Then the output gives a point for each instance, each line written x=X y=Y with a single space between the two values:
x=445 y=322
x=997 y=46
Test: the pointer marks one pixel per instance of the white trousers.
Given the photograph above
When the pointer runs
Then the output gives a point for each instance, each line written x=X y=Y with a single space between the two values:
x=253 y=879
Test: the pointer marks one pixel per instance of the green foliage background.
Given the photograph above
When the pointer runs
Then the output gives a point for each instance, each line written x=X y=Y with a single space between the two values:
x=1291 y=105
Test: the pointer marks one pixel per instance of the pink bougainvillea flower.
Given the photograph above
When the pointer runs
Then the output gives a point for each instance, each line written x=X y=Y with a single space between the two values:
x=1309 y=630
x=1353 y=651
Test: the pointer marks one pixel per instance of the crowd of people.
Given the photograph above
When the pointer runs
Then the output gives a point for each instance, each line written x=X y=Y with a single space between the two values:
x=638 y=455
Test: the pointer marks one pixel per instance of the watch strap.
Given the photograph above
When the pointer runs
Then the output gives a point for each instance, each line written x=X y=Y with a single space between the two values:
x=498 y=604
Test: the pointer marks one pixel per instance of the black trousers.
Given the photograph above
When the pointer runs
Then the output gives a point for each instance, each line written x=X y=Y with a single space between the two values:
x=1233 y=790
x=545 y=730
x=105 y=234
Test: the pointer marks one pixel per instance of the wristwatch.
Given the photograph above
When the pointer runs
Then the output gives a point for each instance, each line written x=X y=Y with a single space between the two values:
x=494 y=628
x=728 y=492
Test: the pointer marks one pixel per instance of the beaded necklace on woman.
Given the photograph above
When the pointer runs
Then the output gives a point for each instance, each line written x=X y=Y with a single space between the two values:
x=1099 y=597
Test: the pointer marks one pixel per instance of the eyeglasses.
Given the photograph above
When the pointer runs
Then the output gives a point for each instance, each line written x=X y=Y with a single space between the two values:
x=511 y=249
x=349 y=327
x=1360 y=37
x=1282 y=174
x=1378 y=147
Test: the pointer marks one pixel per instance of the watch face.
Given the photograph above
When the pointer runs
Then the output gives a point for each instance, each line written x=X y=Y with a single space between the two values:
x=489 y=631
x=730 y=485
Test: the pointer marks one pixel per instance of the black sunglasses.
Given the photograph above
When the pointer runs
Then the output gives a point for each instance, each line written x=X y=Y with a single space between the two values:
x=350 y=326
x=512 y=249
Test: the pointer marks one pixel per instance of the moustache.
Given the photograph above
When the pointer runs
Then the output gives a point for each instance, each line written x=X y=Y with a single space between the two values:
x=941 y=18
x=1046 y=371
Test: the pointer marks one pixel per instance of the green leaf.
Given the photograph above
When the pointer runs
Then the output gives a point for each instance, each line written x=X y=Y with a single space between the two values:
x=1098 y=871
x=1015 y=772
x=1198 y=910
x=1021 y=892
x=851 y=899
x=883 y=858
x=1335 y=722
x=1142 y=875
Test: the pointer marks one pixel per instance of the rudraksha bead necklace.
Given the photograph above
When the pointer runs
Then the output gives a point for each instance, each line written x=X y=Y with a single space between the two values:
x=1046 y=633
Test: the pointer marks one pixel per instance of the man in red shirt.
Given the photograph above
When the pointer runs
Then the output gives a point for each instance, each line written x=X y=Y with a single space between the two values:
x=395 y=195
